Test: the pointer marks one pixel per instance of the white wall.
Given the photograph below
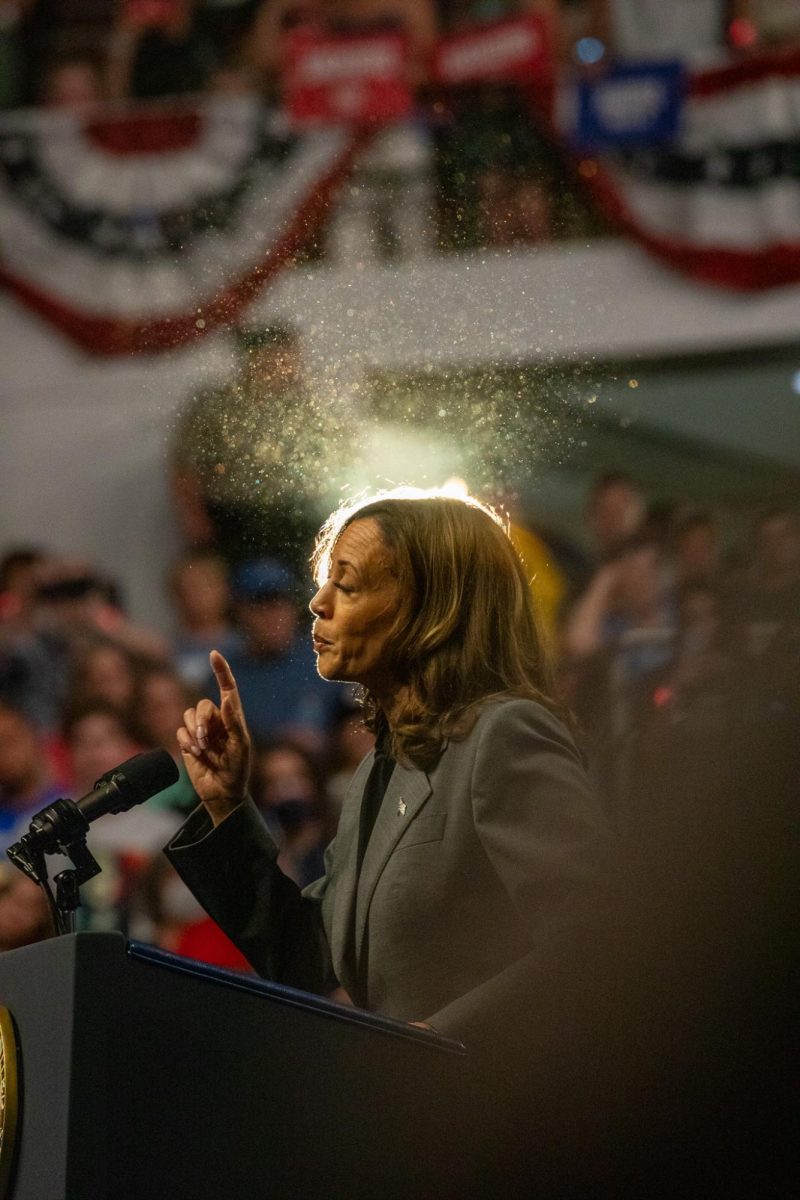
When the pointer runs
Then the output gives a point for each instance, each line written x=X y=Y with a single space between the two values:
x=83 y=441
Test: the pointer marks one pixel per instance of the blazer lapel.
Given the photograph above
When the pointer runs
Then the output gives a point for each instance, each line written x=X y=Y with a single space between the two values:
x=347 y=857
x=407 y=792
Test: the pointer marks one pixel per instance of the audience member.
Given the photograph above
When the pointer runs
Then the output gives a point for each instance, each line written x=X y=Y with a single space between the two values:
x=628 y=594
x=98 y=738
x=694 y=697
x=499 y=174
x=615 y=510
x=165 y=913
x=34 y=647
x=388 y=206
x=689 y=30
x=289 y=788
x=233 y=77
x=245 y=463
x=227 y=23
x=157 y=709
x=548 y=582
x=72 y=84
x=696 y=549
x=103 y=670
x=775 y=23
x=32 y=662
x=71 y=609
x=619 y=632
x=701 y=637
x=159 y=697
x=157 y=49
x=24 y=913
x=18 y=583
x=12 y=54
x=276 y=675
x=350 y=741
x=768 y=596
x=28 y=779
x=200 y=591
x=81 y=604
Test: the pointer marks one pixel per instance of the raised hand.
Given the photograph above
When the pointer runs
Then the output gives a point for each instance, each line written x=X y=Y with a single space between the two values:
x=215 y=746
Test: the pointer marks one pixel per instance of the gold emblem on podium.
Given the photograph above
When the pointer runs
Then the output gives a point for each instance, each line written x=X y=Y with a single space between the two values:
x=9 y=1098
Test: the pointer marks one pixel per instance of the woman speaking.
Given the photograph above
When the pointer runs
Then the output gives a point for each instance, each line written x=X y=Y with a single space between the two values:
x=470 y=860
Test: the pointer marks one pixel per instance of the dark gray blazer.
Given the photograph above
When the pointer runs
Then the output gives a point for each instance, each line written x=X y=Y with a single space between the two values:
x=477 y=877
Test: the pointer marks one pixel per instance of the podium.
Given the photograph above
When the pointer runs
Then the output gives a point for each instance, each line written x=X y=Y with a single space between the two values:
x=144 y=1075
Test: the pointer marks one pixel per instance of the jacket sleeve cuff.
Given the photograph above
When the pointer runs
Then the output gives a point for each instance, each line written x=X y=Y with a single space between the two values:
x=199 y=839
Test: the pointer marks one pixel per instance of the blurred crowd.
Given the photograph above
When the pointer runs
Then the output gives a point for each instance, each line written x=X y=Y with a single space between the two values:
x=67 y=52
x=471 y=168
x=82 y=689
x=678 y=651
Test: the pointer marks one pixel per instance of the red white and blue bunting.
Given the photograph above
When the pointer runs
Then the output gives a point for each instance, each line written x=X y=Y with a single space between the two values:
x=720 y=200
x=140 y=230
x=146 y=229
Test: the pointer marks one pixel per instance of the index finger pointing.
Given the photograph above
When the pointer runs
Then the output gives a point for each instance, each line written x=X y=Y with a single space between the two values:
x=225 y=680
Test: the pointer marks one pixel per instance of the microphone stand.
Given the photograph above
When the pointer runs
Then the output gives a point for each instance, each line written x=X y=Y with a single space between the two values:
x=68 y=882
x=29 y=857
x=61 y=828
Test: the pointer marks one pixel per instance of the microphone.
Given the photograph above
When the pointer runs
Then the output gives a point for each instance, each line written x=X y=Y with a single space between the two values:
x=61 y=823
x=129 y=784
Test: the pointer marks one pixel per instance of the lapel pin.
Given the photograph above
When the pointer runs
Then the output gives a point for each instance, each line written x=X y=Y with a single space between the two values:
x=401 y=807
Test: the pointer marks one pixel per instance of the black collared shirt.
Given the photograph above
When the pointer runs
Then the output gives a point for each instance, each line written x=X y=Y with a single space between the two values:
x=374 y=791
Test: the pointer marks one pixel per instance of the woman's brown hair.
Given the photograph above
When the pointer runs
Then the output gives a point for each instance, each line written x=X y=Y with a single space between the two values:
x=468 y=630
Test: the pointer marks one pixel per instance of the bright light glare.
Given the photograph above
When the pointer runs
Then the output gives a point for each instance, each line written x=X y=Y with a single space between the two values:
x=796 y=383
x=455 y=486
x=388 y=455
x=454 y=489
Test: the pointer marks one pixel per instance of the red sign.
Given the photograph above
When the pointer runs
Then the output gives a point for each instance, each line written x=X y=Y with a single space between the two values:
x=518 y=49
x=353 y=80
x=144 y=14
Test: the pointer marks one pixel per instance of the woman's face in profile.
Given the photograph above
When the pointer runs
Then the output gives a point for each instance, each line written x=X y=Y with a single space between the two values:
x=356 y=609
